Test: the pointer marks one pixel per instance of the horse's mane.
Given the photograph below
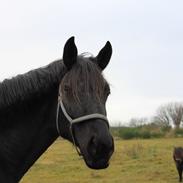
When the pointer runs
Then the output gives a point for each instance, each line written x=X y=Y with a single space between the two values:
x=34 y=82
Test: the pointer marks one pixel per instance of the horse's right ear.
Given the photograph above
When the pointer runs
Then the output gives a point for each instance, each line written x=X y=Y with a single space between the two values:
x=70 y=53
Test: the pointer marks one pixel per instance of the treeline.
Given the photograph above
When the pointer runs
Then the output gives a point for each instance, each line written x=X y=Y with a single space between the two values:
x=167 y=122
x=146 y=132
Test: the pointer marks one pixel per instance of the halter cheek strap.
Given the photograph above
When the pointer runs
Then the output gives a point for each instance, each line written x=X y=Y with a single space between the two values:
x=76 y=120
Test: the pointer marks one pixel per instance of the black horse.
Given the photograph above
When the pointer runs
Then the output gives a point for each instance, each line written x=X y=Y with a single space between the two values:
x=178 y=158
x=65 y=98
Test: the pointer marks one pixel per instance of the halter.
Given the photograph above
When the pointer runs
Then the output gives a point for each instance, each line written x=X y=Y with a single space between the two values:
x=76 y=120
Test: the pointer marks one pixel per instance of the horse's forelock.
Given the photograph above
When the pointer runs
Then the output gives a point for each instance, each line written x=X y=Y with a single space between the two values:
x=87 y=73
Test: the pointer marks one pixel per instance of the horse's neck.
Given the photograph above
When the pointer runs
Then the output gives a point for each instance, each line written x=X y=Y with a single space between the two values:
x=26 y=137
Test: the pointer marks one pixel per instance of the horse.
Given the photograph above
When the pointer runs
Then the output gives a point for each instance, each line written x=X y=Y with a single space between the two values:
x=66 y=98
x=178 y=158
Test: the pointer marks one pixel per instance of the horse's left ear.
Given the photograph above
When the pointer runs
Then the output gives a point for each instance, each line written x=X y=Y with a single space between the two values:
x=104 y=55
x=70 y=53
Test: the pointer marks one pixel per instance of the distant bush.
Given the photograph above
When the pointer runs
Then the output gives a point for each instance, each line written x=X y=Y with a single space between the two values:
x=178 y=132
x=138 y=132
x=128 y=133
x=166 y=129
x=157 y=134
x=145 y=134
x=131 y=133
x=146 y=131
x=115 y=131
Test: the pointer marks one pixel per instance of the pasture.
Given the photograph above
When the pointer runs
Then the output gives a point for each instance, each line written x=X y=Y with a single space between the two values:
x=138 y=161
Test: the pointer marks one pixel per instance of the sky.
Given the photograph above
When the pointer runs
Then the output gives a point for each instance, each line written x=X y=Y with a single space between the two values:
x=146 y=67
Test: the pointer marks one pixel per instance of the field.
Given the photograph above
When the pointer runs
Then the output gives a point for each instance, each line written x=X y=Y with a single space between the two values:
x=138 y=161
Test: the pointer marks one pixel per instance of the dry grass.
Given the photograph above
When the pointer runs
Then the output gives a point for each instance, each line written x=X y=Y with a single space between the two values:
x=134 y=161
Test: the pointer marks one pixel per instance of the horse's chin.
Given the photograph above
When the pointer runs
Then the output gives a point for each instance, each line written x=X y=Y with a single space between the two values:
x=94 y=163
x=97 y=165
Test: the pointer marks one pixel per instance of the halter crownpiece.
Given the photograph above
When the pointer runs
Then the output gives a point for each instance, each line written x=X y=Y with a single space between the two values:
x=76 y=120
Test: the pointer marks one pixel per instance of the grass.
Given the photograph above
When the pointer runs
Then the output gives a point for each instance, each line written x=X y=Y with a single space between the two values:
x=134 y=161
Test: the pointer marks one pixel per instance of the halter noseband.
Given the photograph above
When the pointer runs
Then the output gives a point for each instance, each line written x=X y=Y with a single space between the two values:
x=76 y=120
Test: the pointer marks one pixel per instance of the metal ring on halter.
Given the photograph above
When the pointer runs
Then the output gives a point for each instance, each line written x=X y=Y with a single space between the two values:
x=76 y=120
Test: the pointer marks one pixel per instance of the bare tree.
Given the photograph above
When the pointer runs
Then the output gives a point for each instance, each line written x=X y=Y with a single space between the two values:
x=175 y=111
x=171 y=113
x=162 y=117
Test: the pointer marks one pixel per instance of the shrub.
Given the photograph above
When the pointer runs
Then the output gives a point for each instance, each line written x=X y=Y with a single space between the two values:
x=157 y=135
x=128 y=133
x=138 y=132
x=145 y=134
x=178 y=132
x=166 y=129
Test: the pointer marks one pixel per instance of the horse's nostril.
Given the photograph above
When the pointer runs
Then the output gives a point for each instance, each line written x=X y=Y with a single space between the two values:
x=94 y=141
x=97 y=149
x=92 y=146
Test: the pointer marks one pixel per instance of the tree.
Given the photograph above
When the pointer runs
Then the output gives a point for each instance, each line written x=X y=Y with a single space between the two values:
x=176 y=113
x=162 y=117
x=171 y=113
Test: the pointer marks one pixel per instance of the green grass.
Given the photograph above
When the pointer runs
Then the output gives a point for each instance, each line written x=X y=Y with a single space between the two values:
x=134 y=161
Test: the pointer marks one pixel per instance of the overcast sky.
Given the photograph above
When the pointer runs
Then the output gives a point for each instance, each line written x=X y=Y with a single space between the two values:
x=146 y=69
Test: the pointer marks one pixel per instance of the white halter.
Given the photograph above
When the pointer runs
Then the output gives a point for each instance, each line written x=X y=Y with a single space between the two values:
x=76 y=120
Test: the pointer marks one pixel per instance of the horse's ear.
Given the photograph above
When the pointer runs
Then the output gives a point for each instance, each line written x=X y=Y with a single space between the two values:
x=70 y=53
x=104 y=55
